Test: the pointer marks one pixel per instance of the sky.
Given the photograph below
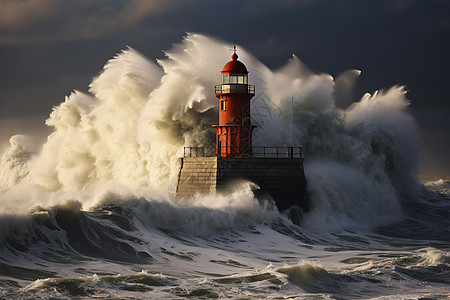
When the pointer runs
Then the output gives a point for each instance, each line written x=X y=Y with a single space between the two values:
x=48 y=48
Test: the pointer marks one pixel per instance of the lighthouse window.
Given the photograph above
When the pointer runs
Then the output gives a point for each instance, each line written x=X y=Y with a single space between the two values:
x=228 y=78
x=223 y=105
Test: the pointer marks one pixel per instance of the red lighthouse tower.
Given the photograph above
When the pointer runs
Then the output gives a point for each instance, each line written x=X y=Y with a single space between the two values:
x=234 y=132
x=277 y=172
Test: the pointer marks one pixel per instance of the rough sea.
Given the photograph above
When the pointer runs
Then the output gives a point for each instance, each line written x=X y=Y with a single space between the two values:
x=90 y=212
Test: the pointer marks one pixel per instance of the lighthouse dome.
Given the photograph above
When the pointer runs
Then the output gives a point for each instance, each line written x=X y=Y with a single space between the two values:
x=234 y=66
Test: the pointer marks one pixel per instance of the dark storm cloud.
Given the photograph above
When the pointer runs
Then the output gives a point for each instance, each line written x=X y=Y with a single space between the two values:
x=17 y=15
x=50 y=47
x=20 y=21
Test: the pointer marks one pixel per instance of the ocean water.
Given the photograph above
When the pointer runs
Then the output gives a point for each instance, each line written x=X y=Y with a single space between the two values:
x=90 y=212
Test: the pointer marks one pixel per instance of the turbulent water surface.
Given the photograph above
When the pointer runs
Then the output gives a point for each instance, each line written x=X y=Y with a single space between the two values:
x=91 y=212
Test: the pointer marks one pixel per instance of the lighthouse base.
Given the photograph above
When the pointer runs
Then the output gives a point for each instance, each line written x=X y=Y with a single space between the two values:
x=281 y=178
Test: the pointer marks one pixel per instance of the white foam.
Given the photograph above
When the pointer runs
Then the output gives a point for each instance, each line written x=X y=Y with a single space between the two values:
x=126 y=135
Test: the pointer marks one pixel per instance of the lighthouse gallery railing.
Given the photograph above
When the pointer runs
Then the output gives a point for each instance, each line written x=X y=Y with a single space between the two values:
x=257 y=151
x=235 y=88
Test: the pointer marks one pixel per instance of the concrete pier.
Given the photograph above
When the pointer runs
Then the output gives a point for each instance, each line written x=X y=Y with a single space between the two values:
x=282 y=178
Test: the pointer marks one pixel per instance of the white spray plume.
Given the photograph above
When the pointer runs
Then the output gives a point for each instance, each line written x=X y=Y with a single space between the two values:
x=127 y=134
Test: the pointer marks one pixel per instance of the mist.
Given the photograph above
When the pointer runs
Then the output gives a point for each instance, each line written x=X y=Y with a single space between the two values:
x=125 y=135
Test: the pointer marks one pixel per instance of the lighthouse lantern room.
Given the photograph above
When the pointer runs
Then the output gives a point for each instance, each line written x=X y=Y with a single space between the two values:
x=234 y=132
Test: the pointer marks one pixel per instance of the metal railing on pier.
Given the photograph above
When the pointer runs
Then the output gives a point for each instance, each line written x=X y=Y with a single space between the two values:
x=257 y=151
x=199 y=151
x=278 y=152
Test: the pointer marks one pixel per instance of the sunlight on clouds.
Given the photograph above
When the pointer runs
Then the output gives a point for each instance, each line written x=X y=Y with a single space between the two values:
x=19 y=19
x=136 y=10
x=15 y=15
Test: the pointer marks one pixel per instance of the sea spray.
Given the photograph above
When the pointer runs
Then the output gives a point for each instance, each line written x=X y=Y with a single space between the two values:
x=345 y=197
x=128 y=132
x=392 y=132
x=205 y=214
x=14 y=162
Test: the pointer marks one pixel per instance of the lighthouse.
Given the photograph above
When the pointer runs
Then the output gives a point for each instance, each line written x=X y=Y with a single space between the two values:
x=276 y=171
x=234 y=132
